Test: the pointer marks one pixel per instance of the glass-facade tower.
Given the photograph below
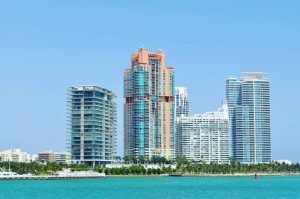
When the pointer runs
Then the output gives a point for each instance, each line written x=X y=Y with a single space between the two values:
x=92 y=125
x=248 y=101
x=149 y=106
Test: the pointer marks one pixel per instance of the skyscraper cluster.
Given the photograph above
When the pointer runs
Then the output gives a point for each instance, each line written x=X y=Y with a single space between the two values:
x=157 y=120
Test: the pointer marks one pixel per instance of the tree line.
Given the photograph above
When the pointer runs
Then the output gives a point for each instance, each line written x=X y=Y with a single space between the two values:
x=146 y=160
x=138 y=166
x=40 y=168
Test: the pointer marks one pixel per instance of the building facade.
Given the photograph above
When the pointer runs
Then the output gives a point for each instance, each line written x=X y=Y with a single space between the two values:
x=182 y=105
x=63 y=157
x=14 y=155
x=182 y=109
x=92 y=125
x=149 y=106
x=249 y=115
x=47 y=156
x=205 y=137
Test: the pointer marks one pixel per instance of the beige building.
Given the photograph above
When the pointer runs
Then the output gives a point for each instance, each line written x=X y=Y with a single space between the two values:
x=47 y=156
x=51 y=156
x=63 y=157
x=14 y=155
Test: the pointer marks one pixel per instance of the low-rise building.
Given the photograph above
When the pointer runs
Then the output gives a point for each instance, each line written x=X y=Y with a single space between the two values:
x=14 y=155
x=51 y=156
x=34 y=158
x=63 y=157
x=47 y=156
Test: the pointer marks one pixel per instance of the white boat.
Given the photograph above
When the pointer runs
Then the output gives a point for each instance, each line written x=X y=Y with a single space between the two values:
x=8 y=174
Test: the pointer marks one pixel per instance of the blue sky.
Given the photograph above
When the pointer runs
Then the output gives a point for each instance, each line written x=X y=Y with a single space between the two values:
x=48 y=46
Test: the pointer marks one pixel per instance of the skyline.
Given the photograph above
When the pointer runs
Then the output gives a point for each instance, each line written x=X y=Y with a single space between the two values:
x=43 y=56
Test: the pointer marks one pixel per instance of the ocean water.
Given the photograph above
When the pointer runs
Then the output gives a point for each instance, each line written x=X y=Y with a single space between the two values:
x=155 y=187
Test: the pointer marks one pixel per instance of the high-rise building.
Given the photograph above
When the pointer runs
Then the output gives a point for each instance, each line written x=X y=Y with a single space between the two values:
x=182 y=105
x=92 y=125
x=205 y=136
x=248 y=100
x=149 y=106
x=182 y=109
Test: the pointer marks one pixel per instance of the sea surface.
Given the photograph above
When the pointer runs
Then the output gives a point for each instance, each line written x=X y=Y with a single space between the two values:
x=155 y=187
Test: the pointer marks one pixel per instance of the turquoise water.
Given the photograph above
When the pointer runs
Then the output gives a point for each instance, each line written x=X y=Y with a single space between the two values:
x=156 y=187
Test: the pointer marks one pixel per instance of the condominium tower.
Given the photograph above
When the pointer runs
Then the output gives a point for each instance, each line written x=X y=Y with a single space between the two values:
x=182 y=109
x=249 y=115
x=182 y=106
x=205 y=136
x=92 y=125
x=149 y=106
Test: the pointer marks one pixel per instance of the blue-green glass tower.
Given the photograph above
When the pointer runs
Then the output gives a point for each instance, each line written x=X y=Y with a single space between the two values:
x=91 y=125
x=149 y=106
x=248 y=101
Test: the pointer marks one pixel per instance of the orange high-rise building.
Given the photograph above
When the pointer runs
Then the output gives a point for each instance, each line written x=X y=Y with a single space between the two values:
x=149 y=106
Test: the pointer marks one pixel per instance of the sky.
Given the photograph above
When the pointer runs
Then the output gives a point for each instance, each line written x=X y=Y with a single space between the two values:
x=48 y=46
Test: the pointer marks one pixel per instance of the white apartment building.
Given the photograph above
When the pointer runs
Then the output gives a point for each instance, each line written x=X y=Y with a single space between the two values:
x=205 y=137
x=63 y=157
x=14 y=155
x=182 y=105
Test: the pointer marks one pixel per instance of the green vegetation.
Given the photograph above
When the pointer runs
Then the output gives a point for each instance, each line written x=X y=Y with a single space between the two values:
x=145 y=160
x=134 y=166
x=40 y=168
x=234 y=168
x=135 y=170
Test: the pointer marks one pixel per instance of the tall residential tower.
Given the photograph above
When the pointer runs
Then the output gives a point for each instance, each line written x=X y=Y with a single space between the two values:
x=204 y=137
x=182 y=105
x=149 y=106
x=249 y=115
x=182 y=109
x=92 y=125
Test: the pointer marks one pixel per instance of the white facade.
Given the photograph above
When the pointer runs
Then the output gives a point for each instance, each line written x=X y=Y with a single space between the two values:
x=14 y=155
x=283 y=161
x=34 y=158
x=182 y=109
x=63 y=157
x=249 y=107
x=205 y=137
x=181 y=102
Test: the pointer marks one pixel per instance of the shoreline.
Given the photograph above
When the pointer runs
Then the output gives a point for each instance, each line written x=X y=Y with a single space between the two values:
x=41 y=177
x=204 y=175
